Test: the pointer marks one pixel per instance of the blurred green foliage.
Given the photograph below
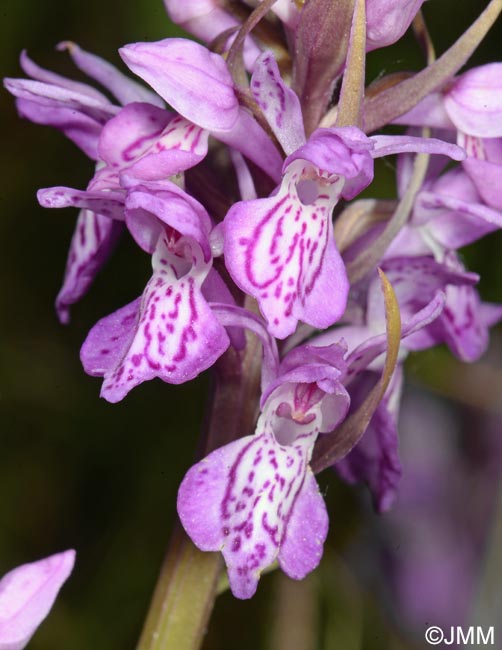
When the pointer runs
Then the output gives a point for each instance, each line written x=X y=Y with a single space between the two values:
x=78 y=472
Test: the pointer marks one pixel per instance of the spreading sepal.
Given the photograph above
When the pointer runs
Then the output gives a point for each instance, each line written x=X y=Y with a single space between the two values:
x=27 y=594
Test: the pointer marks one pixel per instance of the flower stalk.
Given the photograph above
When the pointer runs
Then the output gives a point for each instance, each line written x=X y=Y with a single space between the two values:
x=184 y=597
x=188 y=581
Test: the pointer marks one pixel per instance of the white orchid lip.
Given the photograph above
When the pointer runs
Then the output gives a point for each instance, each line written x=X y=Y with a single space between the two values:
x=169 y=332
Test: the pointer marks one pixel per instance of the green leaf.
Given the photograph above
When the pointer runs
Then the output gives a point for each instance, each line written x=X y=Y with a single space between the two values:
x=334 y=446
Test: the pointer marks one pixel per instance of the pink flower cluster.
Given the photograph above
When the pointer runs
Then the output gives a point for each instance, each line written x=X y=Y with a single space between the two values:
x=238 y=198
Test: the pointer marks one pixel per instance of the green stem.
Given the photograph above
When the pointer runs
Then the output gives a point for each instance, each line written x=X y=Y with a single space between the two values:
x=187 y=585
x=352 y=90
x=183 y=599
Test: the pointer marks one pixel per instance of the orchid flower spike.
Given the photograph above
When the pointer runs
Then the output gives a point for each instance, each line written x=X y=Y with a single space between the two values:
x=281 y=250
x=170 y=331
x=256 y=499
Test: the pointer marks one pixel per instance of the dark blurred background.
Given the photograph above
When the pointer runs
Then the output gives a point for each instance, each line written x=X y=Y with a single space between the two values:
x=78 y=472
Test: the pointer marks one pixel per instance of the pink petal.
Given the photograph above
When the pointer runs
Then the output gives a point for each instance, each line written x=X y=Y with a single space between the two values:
x=387 y=20
x=462 y=325
x=181 y=145
x=474 y=102
x=79 y=128
x=206 y=20
x=109 y=204
x=375 y=459
x=487 y=176
x=193 y=80
x=428 y=112
x=27 y=594
x=455 y=223
x=131 y=132
x=103 y=348
x=151 y=143
x=151 y=205
x=415 y=281
x=232 y=317
x=386 y=145
x=55 y=96
x=125 y=90
x=278 y=102
x=215 y=290
x=92 y=243
x=245 y=180
x=287 y=11
x=302 y=545
x=344 y=152
x=309 y=380
x=47 y=76
x=366 y=345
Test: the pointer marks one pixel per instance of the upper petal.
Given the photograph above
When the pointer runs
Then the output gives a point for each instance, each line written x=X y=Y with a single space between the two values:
x=151 y=143
x=193 y=80
x=108 y=203
x=151 y=206
x=387 y=20
x=278 y=102
x=41 y=74
x=125 y=90
x=428 y=112
x=474 y=102
x=207 y=20
x=484 y=167
x=415 y=280
x=344 y=152
x=56 y=96
x=462 y=325
x=248 y=137
x=131 y=132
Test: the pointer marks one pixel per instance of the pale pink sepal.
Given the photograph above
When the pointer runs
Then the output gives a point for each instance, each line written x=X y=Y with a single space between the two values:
x=474 y=102
x=108 y=203
x=35 y=71
x=193 y=80
x=279 y=104
x=387 y=20
x=126 y=90
x=93 y=241
x=27 y=594
x=484 y=166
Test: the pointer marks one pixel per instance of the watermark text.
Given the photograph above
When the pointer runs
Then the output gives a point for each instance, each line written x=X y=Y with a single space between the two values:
x=454 y=636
